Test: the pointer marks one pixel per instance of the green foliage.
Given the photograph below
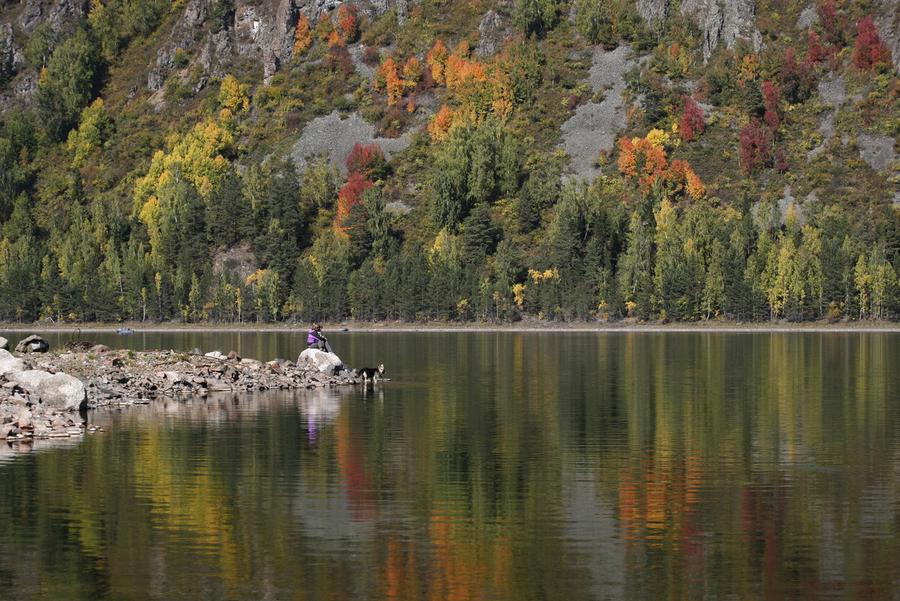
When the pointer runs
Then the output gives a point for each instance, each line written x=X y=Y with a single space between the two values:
x=68 y=83
x=122 y=208
x=43 y=41
x=536 y=17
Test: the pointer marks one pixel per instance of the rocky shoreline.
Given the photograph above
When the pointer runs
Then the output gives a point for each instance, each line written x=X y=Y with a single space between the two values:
x=43 y=394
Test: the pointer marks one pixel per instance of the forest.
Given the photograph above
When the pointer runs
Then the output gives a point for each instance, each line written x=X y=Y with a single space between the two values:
x=737 y=188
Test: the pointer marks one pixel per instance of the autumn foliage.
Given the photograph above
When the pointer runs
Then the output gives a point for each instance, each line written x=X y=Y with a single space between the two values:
x=348 y=22
x=393 y=83
x=302 y=35
x=869 y=51
x=437 y=61
x=336 y=39
x=440 y=125
x=755 y=146
x=771 y=98
x=350 y=195
x=645 y=159
x=368 y=160
x=831 y=24
x=815 y=51
x=691 y=123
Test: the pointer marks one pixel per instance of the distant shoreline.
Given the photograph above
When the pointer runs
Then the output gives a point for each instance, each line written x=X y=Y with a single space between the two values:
x=522 y=326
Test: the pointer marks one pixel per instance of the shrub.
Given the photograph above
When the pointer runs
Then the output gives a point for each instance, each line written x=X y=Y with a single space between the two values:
x=869 y=51
x=771 y=99
x=368 y=160
x=691 y=124
x=755 y=146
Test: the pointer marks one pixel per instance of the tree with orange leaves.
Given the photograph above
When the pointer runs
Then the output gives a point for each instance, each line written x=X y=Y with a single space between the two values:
x=645 y=159
x=437 y=61
x=440 y=125
x=393 y=83
x=336 y=40
x=642 y=159
x=302 y=35
x=350 y=195
x=348 y=22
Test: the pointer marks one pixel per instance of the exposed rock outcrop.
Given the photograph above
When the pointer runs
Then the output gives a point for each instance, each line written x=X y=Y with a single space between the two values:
x=335 y=137
x=595 y=125
x=720 y=21
x=887 y=19
x=60 y=14
x=877 y=151
x=4 y=344
x=11 y=56
x=263 y=31
x=493 y=33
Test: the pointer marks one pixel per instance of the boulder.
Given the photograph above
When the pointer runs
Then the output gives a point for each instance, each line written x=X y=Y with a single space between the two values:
x=62 y=391
x=215 y=355
x=10 y=364
x=33 y=344
x=29 y=379
x=327 y=363
x=4 y=344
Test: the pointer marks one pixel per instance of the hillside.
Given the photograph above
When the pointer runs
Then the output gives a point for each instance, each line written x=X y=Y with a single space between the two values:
x=230 y=160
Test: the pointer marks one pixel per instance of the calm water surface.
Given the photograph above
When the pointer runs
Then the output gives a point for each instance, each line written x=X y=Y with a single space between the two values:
x=513 y=466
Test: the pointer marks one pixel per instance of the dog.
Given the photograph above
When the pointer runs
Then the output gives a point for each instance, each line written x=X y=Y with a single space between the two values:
x=371 y=373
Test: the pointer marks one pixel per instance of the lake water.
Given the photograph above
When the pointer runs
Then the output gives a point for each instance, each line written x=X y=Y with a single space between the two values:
x=508 y=466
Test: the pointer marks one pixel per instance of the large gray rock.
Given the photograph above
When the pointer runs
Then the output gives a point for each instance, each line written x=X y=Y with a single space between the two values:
x=327 y=363
x=33 y=344
x=62 y=391
x=720 y=21
x=877 y=151
x=10 y=364
x=492 y=34
x=4 y=344
x=11 y=57
x=29 y=379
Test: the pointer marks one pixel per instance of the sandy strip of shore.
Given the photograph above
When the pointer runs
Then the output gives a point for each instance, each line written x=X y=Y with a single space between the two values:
x=525 y=327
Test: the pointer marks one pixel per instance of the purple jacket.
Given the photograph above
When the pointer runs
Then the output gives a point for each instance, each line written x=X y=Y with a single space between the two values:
x=312 y=337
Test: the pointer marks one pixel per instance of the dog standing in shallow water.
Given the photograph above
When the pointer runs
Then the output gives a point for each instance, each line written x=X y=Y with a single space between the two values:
x=372 y=373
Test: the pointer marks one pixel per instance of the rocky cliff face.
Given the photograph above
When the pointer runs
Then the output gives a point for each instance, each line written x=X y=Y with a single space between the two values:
x=721 y=21
x=60 y=14
x=263 y=31
x=11 y=58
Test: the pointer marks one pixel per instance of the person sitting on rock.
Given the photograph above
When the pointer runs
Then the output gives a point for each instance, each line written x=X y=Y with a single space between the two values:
x=315 y=339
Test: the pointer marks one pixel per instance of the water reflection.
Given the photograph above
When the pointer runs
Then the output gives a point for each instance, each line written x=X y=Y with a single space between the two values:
x=492 y=466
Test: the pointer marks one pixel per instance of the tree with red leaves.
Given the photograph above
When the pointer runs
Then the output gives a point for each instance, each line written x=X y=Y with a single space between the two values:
x=815 y=51
x=691 y=124
x=756 y=146
x=831 y=24
x=771 y=100
x=350 y=195
x=796 y=79
x=368 y=160
x=869 y=51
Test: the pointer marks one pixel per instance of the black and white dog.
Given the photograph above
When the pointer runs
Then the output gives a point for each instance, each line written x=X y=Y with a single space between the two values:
x=371 y=373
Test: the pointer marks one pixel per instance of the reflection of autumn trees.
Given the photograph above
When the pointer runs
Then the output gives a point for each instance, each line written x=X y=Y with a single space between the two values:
x=746 y=466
